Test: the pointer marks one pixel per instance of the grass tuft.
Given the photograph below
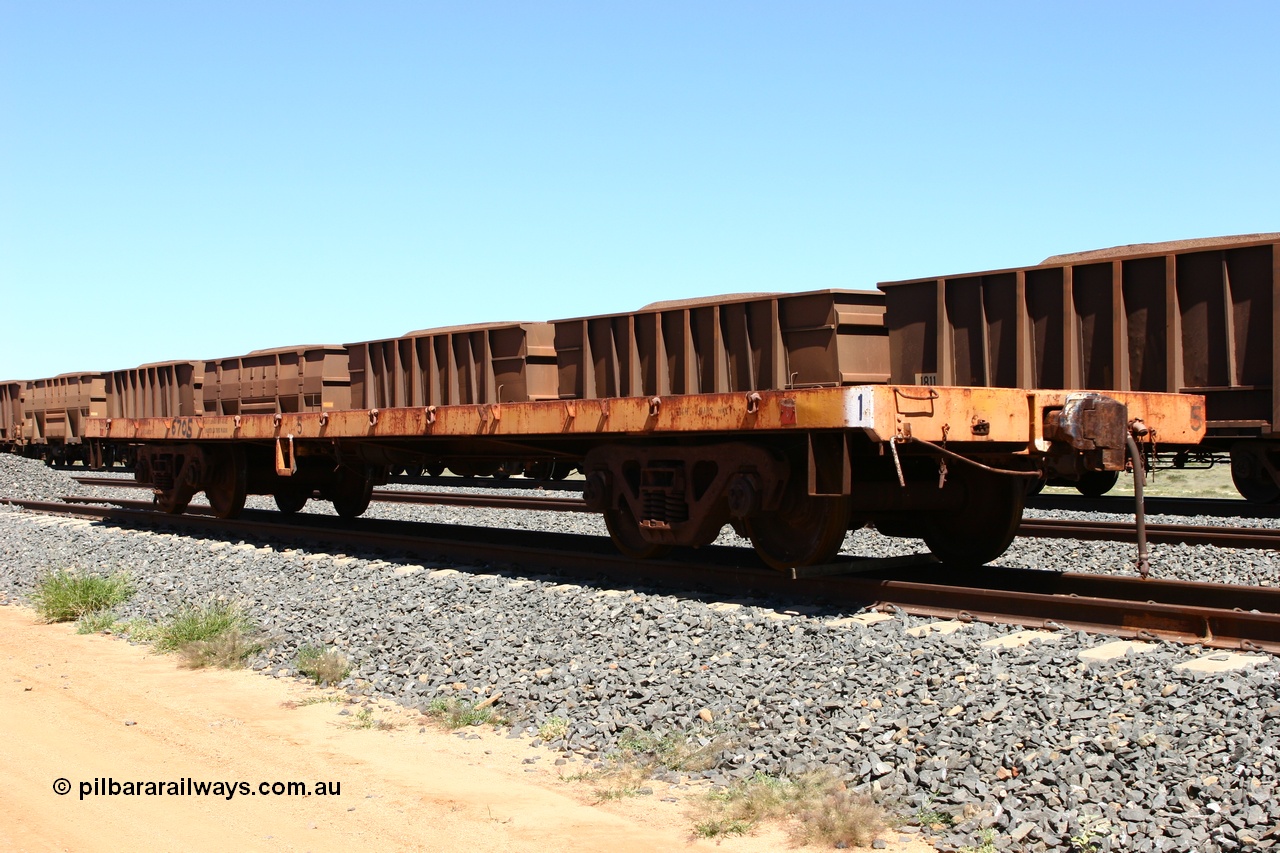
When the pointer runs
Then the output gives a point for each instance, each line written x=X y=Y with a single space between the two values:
x=364 y=720
x=63 y=596
x=323 y=666
x=138 y=630
x=227 y=650
x=688 y=751
x=217 y=633
x=454 y=713
x=818 y=806
x=840 y=818
x=553 y=728
x=201 y=623
x=96 y=622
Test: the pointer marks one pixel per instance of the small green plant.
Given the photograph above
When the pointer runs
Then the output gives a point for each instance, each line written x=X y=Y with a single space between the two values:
x=227 y=650
x=986 y=843
x=138 y=630
x=63 y=596
x=217 y=633
x=620 y=782
x=454 y=713
x=553 y=728
x=840 y=818
x=332 y=698
x=819 y=807
x=323 y=666
x=95 y=623
x=682 y=751
x=201 y=623
x=722 y=828
x=927 y=815
x=1087 y=839
x=364 y=720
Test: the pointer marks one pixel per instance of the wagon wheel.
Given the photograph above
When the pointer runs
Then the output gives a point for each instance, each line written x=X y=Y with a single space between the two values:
x=226 y=492
x=808 y=531
x=173 y=501
x=626 y=536
x=1249 y=473
x=538 y=469
x=291 y=501
x=435 y=470
x=983 y=527
x=351 y=493
x=1095 y=484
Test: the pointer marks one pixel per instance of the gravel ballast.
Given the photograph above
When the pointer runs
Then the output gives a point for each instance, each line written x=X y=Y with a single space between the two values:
x=1047 y=750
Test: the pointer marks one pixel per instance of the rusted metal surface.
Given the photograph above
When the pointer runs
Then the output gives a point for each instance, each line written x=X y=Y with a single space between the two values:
x=1122 y=505
x=285 y=379
x=1198 y=316
x=961 y=416
x=55 y=410
x=743 y=342
x=457 y=365
x=162 y=390
x=1265 y=538
x=11 y=412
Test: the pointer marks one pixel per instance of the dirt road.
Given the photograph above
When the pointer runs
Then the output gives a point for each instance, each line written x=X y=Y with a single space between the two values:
x=80 y=708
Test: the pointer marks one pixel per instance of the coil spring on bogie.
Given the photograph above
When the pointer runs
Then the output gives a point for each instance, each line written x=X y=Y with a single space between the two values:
x=654 y=506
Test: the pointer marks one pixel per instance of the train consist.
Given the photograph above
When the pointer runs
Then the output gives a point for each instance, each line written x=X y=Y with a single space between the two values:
x=1196 y=316
x=926 y=410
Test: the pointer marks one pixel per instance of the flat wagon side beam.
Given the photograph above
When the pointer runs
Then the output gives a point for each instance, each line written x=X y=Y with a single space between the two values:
x=971 y=416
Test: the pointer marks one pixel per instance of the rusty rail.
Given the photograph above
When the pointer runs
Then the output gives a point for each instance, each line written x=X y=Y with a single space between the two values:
x=1048 y=528
x=1123 y=505
x=1216 y=615
x=1123 y=531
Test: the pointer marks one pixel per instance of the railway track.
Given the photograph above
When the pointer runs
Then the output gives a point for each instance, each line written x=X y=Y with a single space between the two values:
x=1216 y=615
x=1123 y=505
x=1118 y=531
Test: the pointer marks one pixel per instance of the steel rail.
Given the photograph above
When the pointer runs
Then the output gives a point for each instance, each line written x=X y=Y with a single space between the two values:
x=390 y=496
x=1048 y=528
x=1123 y=505
x=1220 y=536
x=1216 y=615
x=438 y=482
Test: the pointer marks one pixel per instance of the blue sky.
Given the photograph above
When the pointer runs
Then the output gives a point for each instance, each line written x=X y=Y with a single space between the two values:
x=199 y=179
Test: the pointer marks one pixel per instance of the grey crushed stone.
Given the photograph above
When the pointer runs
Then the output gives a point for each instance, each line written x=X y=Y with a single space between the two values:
x=1030 y=742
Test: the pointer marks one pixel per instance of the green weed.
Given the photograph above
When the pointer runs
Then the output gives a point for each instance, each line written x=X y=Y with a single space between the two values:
x=323 y=666
x=454 y=713
x=62 y=596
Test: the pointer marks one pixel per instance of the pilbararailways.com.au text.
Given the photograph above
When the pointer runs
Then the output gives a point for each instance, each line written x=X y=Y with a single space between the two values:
x=188 y=787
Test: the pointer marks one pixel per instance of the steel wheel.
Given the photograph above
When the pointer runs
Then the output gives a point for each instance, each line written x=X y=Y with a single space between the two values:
x=227 y=492
x=808 y=532
x=981 y=530
x=351 y=493
x=291 y=501
x=1094 y=484
x=625 y=533
x=1249 y=473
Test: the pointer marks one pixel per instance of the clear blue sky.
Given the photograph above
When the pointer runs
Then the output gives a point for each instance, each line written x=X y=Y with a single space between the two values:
x=199 y=179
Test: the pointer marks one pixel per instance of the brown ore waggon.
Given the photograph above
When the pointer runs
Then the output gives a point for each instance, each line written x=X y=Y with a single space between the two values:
x=791 y=417
x=1197 y=316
